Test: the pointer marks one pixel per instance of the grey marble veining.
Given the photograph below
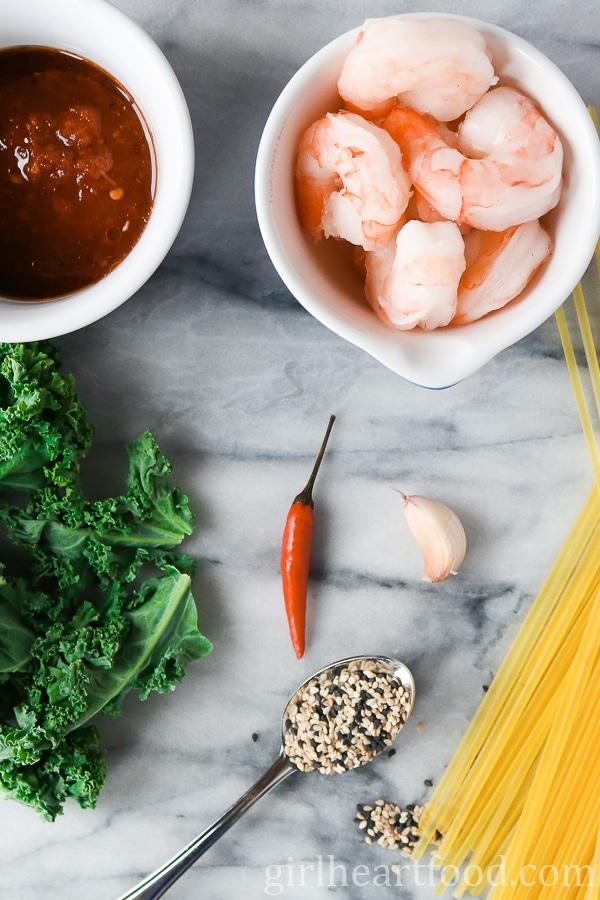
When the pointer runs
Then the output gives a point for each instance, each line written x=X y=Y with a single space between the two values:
x=237 y=381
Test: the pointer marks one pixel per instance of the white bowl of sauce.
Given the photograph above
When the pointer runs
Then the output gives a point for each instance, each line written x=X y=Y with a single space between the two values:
x=96 y=164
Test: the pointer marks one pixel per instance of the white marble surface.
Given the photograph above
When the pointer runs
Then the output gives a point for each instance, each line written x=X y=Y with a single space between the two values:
x=237 y=381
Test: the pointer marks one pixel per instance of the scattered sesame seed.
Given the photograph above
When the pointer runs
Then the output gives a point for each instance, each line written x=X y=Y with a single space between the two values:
x=390 y=825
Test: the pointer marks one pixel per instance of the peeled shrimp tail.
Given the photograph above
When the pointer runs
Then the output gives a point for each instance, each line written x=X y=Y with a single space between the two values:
x=437 y=66
x=350 y=182
x=413 y=281
x=513 y=173
x=433 y=167
x=502 y=265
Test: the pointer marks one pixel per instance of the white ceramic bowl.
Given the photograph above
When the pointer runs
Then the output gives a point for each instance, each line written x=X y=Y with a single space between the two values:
x=102 y=34
x=319 y=274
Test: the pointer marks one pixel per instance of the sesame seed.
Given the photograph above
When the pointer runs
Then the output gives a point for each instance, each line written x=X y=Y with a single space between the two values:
x=390 y=825
x=344 y=717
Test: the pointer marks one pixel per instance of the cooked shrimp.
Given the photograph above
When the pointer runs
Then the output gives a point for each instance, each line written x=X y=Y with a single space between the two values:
x=507 y=169
x=436 y=66
x=413 y=281
x=499 y=266
x=350 y=182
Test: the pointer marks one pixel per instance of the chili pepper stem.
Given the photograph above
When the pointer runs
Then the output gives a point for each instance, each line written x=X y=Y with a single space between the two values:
x=305 y=495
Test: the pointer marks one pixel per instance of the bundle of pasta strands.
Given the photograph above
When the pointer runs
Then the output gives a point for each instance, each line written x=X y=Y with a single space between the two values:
x=518 y=807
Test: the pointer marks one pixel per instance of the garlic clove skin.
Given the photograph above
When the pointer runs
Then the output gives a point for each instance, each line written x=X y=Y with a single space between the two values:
x=440 y=535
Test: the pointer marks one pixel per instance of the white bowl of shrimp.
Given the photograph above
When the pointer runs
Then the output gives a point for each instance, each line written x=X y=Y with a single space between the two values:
x=436 y=217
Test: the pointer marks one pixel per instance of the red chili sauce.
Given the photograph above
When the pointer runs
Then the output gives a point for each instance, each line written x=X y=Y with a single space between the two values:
x=77 y=173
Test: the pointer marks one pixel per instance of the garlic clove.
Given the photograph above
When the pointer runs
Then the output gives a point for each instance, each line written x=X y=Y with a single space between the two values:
x=440 y=535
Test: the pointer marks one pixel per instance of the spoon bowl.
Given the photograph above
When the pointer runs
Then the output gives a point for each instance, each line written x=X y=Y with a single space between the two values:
x=344 y=683
x=365 y=701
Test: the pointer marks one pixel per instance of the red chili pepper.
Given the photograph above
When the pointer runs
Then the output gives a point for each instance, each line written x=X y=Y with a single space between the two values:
x=295 y=554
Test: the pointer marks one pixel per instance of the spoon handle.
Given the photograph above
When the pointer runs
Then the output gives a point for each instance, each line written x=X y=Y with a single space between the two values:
x=160 y=881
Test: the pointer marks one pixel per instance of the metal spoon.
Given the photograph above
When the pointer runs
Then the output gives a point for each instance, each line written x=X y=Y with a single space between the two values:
x=160 y=881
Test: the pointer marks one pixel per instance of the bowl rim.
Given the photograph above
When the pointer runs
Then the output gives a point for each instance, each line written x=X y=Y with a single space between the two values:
x=174 y=179
x=469 y=347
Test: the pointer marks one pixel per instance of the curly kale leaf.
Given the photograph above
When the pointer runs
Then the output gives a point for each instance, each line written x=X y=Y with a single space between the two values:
x=74 y=768
x=106 y=606
x=16 y=638
x=44 y=433
x=115 y=536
